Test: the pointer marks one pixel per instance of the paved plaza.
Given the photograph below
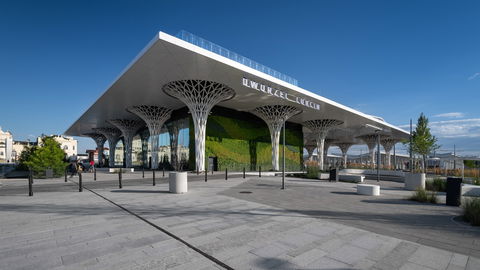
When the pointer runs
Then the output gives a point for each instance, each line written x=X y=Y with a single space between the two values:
x=236 y=224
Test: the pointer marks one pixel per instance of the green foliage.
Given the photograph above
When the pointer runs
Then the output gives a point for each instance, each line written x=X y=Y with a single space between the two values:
x=312 y=172
x=476 y=182
x=240 y=139
x=471 y=211
x=48 y=155
x=471 y=164
x=421 y=195
x=437 y=184
x=25 y=156
x=423 y=142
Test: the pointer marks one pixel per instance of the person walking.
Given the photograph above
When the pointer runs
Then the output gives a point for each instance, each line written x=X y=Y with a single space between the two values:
x=73 y=169
x=92 y=166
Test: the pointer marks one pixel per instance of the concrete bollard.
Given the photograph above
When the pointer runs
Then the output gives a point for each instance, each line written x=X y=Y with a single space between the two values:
x=153 y=177
x=206 y=175
x=94 y=173
x=243 y=172
x=120 y=178
x=65 y=175
x=226 y=174
x=80 y=185
x=30 y=182
x=259 y=171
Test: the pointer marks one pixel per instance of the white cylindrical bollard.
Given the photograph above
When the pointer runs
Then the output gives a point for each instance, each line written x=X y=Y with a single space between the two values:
x=178 y=182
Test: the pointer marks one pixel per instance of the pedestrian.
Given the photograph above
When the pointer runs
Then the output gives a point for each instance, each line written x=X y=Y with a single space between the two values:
x=73 y=169
x=92 y=166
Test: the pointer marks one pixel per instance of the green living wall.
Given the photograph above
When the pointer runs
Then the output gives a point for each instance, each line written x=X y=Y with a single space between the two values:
x=241 y=140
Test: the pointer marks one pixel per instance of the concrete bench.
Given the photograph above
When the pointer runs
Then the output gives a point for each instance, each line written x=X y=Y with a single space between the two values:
x=370 y=190
x=356 y=178
x=116 y=170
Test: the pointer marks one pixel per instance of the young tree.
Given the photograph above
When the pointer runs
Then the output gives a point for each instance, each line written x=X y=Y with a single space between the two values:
x=48 y=155
x=423 y=142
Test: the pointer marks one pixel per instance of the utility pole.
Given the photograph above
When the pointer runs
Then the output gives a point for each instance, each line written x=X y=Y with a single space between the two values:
x=283 y=167
x=411 y=152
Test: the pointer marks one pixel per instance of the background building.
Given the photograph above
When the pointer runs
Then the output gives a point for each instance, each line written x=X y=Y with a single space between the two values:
x=68 y=144
x=6 y=146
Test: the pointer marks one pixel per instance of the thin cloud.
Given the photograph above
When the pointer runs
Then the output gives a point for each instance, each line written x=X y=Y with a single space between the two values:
x=461 y=128
x=474 y=76
x=450 y=115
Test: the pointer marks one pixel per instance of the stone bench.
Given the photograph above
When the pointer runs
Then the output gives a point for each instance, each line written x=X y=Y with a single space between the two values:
x=370 y=190
x=116 y=170
x=356 y=178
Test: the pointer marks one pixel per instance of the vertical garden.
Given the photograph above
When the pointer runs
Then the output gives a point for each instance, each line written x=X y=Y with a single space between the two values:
x=240 y=140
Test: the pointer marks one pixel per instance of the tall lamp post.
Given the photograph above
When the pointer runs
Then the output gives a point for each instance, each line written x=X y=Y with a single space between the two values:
x=378 y=154
x=283 y=150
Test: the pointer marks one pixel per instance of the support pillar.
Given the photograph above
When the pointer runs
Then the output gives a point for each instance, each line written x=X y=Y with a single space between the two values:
x=154 y=117
x=388 y=143
x=344 y=146
x=128 y=128
x=199 y=96
x=371 y=141
x=113 y=135
x=100 y=140
x=275 y=116
x=321 y=127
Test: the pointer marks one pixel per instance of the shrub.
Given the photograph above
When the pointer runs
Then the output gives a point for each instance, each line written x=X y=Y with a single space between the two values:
x=312 y=172
x=471 y=211
x=437 y=184
x=421 y=195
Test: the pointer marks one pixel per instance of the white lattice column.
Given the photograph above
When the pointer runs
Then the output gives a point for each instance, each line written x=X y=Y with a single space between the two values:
x=274 y=116
x=200 y=96
x=112 y=135
x=129 y=128
x=144 y=137
x=321 y=127
x=154 y=117
x=310 y=147
x=371 y=141
x=326 y=145
x=344 y=146
x=100 y=141
x=174 y=128
x=388 y=143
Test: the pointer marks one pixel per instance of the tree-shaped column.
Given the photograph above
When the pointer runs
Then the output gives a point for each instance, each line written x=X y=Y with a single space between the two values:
x=154 y=117
x=144 y=136
x=200 y=96
x=344 y=146
x=174 y=128
x=129 y=128
x=113 y=135
x=371 y=141
x=321 y=127
x=388 y=143
x=100 y=140
x=274 y=116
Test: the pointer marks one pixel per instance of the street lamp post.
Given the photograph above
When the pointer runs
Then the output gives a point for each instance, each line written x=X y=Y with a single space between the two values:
x=283 y=150
x=378 y=155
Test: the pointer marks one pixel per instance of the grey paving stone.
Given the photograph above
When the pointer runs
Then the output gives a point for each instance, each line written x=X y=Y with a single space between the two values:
x=348 y=254
x=328 y=263
x=431 y=257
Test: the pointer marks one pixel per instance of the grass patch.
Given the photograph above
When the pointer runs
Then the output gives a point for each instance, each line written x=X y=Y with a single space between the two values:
x=437 y=184
x=421 y=195
x=471 y=211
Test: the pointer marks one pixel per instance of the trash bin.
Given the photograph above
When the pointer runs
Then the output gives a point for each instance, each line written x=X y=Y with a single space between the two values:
x=454 y=191
x=333 y=175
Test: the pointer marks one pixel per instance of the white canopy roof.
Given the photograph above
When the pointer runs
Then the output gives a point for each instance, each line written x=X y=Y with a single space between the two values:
x=167 y=58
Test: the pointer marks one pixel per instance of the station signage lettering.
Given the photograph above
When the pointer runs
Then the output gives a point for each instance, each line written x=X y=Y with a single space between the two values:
x=278 y=93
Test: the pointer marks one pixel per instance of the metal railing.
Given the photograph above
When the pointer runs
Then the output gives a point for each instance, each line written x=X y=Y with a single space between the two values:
x=207 y=45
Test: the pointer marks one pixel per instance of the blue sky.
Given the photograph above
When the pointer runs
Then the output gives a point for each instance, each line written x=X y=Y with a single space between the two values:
x=394 y=59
